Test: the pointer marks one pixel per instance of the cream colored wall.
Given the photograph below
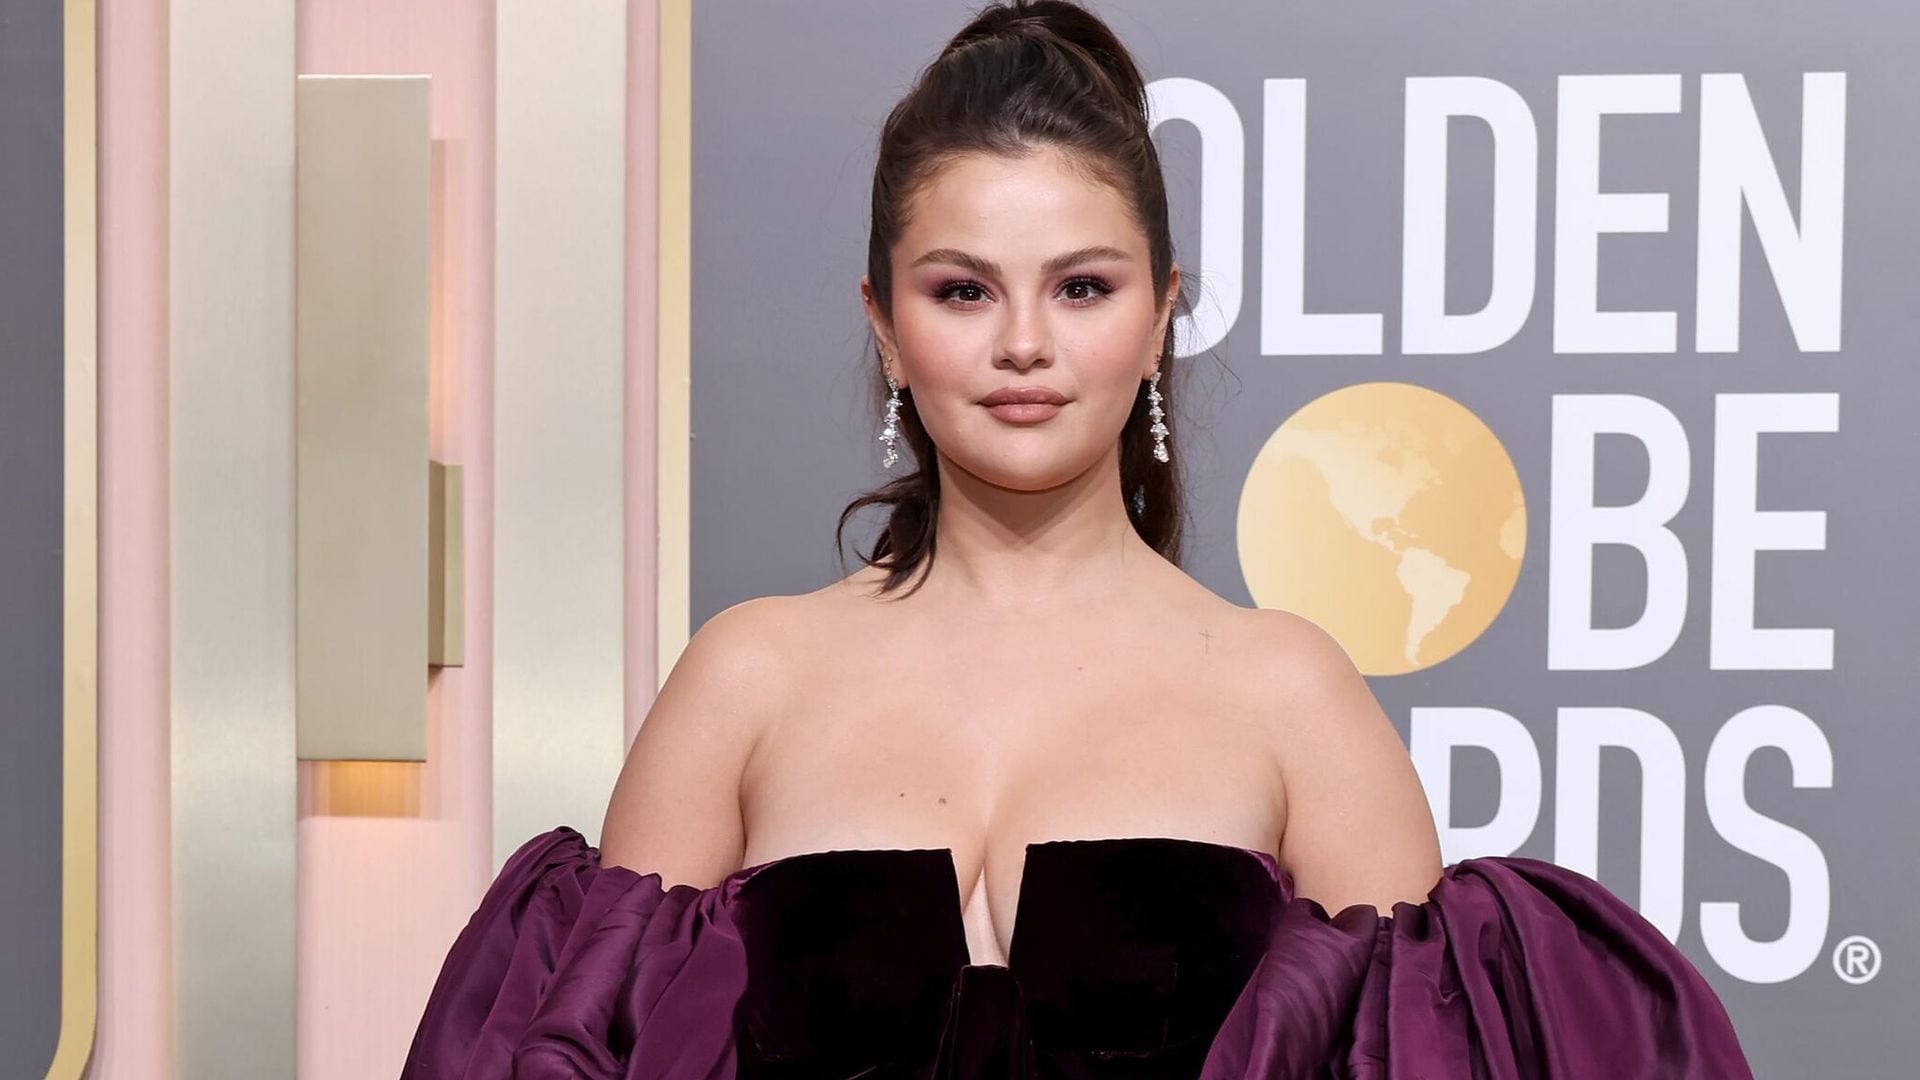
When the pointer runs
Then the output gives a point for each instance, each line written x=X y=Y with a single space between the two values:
x=230 y=535
x=391 y=858
x=559 y=415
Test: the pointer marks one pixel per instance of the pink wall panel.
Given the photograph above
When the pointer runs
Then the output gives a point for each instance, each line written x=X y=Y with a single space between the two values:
x=392 y=856
x=643 y=200
x=133 y=1040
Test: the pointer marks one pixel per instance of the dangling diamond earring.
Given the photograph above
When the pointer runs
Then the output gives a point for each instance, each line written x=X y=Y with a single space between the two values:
x=1159 y=428
x=890 y=434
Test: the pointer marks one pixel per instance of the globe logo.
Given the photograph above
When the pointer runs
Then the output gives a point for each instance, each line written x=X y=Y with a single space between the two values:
x=1390 y=515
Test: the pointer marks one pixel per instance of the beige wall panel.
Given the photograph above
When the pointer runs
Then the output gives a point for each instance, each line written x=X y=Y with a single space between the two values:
x=360 y=424
x=230 y=327
x=560 y=222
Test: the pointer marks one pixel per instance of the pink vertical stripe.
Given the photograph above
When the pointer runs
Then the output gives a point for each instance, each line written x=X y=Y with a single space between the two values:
x=134 y=1038
x=643 y=242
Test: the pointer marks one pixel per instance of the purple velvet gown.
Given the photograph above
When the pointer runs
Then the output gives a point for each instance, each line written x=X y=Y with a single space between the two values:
x=1131 y=957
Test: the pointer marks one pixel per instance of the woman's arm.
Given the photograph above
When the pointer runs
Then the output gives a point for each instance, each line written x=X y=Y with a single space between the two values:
x=675 y=810
x=1358 y=828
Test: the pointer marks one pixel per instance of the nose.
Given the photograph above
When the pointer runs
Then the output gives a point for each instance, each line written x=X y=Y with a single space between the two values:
x=1025 y=340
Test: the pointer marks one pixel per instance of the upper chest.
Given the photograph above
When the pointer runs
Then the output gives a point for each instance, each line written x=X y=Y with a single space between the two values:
x=985 y=739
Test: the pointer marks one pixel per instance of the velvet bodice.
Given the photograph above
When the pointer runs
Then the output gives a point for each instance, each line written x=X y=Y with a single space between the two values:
x=1131 y=958
x=1126 y=955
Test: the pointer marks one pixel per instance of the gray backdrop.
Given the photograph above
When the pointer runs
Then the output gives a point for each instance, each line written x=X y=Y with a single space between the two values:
x=1789 y=775
x=32 y=374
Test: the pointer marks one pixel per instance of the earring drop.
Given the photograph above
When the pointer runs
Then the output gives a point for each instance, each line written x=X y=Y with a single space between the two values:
x=1158 y=417
x=890 y=434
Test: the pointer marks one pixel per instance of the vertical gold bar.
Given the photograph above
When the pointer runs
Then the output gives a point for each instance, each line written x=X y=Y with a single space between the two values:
x=361 y=416
x=446 y=546
x=674 y=425
x=80 y=591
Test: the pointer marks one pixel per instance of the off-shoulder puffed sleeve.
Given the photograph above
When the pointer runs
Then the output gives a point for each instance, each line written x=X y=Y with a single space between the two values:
x=571 y=969
x=1511 y=968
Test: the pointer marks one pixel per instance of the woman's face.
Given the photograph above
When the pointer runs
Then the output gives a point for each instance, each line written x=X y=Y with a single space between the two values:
x=1021 y=273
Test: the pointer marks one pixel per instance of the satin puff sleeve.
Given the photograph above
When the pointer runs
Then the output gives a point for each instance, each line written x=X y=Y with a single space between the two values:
x=1511 y=968
x=571 y=969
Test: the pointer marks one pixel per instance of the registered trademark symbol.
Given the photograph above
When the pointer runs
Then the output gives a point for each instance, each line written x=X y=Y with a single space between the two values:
x=1856 y=959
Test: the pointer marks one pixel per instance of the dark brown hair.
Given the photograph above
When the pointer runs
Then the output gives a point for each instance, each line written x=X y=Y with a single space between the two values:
x=1021 y=76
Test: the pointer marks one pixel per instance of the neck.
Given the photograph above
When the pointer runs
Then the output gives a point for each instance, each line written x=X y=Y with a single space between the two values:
x=999 y=549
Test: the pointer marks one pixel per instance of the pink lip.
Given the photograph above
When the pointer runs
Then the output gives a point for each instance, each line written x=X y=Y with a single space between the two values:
x=1024 y=412
x=1024 y=395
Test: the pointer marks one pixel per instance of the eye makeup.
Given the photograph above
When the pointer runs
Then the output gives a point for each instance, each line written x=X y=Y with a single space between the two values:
x=948 y=290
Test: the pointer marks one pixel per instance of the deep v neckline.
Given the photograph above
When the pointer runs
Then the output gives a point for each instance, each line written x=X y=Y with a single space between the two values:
x=733 y=882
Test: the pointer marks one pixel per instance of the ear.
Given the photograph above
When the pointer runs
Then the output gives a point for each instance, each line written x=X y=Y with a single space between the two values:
x=882 y=333
x=1166 y=316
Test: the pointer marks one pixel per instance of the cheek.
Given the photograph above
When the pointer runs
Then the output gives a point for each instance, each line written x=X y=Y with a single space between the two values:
x=1114 y=356
x=939 y=357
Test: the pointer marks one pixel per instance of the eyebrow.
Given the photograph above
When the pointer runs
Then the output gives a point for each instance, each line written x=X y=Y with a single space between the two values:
x=989 y=268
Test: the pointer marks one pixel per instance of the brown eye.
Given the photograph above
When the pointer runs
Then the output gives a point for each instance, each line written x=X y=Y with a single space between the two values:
x=1100 y=288
x=948 y=291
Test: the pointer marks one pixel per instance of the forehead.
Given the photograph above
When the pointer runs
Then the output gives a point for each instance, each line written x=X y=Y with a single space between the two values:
x=1040 y=202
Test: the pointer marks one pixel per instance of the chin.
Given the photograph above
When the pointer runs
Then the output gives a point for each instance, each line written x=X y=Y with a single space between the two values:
x=1030 y=471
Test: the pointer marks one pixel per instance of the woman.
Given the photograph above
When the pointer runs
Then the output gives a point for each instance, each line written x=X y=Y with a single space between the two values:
x=1041 y=805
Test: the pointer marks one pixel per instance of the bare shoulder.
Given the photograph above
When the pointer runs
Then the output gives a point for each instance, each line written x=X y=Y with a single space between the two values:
x=740 y=657
x=675 y=809
x=1358 y=826
x=1297 y=657
x=735 y=668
